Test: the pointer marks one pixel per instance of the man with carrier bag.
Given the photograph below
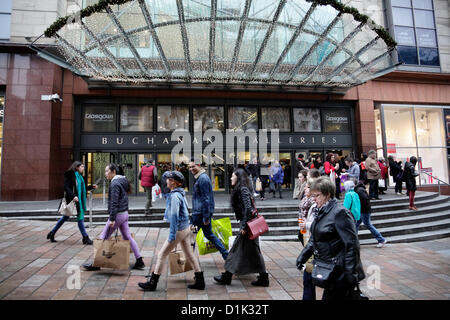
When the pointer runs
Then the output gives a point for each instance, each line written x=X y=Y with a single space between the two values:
x=203 y=206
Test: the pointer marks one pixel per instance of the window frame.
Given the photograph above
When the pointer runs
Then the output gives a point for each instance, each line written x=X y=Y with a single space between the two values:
x=392 y=25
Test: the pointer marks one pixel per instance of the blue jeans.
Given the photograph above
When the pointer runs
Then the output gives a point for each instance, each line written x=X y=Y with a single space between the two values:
x=365 y=218
x=207 y=231
x=64 y=219
x=309 y=290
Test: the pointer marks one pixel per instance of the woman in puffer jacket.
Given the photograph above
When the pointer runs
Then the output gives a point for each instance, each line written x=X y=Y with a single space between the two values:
x=118 y=213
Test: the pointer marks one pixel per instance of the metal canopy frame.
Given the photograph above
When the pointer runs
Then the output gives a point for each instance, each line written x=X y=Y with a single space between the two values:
x=329 y=71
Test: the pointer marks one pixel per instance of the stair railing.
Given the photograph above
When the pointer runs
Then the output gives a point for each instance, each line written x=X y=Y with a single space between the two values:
x=439 y=181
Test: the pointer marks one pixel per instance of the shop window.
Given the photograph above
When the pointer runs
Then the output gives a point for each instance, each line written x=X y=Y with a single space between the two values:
x=430 y=127
x=99 y=119
x=276 y=118
x=432 y=161
x=336 y=120
x=136 y=118
x=307 y=120
x=171 y=118
x=243 y=118
x=399 y=126
x=206 y=118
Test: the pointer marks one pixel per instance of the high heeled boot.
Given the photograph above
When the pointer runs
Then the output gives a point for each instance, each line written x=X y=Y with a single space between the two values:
x=151 y=284
x=225 y=278
x=199 y=283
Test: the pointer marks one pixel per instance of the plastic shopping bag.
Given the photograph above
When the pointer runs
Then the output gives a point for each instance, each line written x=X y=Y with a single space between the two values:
x=221 y=229
x=158 y=192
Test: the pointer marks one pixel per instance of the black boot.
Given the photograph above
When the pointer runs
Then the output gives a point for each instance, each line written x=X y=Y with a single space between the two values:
x=225 y=278
x=151 y=284
x=199 y=283
x=90 y=267
x=262 y=280
x=87 y=241
x=51 y=236
x=139 y=264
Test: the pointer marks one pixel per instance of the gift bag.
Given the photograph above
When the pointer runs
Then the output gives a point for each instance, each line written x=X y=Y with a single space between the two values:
x=178 y=262
x=221 y=229
x=344 y=178
x=114 y=253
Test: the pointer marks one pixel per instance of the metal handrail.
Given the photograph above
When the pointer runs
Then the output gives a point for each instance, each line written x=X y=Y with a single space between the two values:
x=439 y=181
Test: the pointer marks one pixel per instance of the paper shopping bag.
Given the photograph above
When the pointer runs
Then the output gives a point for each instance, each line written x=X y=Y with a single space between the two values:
x=132 y=235
x=221 y=229
x=178 y=262
x=114 y=253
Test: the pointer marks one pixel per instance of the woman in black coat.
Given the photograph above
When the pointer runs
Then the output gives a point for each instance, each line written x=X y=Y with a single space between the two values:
x=333 y=238
x=72 y=192
x=245 y=256
x=409 y=176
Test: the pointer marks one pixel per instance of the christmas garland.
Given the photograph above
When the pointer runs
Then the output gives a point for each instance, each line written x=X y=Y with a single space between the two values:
x=102 y=4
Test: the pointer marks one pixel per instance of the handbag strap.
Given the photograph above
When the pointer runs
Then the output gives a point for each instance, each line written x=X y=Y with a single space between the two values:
x=255 y=210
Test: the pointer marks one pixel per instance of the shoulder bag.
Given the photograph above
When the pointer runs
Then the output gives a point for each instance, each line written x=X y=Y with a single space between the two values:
x=67 y=209
x=257 y=225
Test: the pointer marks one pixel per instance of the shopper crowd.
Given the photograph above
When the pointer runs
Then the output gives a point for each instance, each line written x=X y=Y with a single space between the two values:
x=328 y=230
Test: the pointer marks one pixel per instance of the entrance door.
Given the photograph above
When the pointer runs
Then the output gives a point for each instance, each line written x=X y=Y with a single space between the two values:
x=128 y=161
x=95 y=163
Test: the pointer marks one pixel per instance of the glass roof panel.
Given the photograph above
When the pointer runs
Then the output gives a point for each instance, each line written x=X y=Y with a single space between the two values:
x=251 y=42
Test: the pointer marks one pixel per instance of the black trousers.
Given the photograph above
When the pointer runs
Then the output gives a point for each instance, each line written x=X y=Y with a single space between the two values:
x=373 y=188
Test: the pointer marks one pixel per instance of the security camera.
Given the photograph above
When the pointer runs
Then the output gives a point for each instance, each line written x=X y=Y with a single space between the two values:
x=53 y=97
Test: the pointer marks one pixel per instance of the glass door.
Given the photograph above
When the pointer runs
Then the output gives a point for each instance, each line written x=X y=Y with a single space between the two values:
x=95 y=163
x=128 y=163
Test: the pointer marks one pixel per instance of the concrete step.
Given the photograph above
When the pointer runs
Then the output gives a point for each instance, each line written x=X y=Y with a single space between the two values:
x=391 y=214
x=407 y=229
x=376 y=207
x=414 y=237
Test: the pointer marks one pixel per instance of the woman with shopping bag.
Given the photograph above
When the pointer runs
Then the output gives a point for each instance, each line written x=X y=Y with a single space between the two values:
x=118 y=213
x=75 y=189
x=245 y=256
x=180 y=233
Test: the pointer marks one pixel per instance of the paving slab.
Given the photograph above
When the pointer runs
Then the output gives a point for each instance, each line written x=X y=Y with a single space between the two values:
x=33 y=268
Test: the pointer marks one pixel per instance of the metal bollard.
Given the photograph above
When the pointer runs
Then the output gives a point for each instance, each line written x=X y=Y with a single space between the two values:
x=90 y=210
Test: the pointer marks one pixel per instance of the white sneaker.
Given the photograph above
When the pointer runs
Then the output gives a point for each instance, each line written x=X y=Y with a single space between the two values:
x=398 y=193
x=381 y=244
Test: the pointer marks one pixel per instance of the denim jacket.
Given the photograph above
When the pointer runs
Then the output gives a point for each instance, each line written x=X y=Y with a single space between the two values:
x=202 y=200
x=176 y=212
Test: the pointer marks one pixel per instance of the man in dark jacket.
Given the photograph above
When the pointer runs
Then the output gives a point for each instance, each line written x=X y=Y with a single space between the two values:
x=203 y=206
x=396 y=173
x=366 y=211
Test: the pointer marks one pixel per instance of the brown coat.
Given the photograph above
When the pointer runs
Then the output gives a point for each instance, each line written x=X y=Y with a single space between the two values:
x=373 y=169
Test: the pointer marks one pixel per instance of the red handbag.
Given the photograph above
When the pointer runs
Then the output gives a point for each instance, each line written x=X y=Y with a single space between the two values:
x=257 y=225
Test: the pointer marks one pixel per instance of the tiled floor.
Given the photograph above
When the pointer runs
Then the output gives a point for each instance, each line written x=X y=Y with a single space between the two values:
x=33 y=268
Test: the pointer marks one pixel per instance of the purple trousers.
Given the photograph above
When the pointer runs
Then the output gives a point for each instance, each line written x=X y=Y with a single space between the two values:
x=122 y=224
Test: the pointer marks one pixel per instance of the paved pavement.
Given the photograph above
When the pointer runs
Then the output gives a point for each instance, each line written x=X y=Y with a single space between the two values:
x=33 y=268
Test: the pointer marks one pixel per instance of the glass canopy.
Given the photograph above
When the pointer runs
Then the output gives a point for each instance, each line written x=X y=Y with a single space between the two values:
x=230 y=42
